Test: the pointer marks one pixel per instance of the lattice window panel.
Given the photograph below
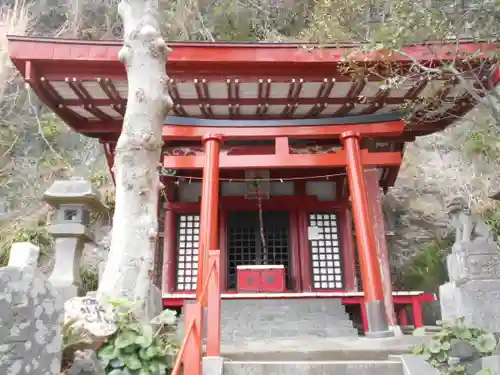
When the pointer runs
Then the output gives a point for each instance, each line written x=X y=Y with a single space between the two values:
x=326 y=256
x=277 y=236
x=188 y=231
x=244 y=243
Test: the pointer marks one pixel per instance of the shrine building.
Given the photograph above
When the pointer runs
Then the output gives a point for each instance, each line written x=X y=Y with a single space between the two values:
x=273 y=154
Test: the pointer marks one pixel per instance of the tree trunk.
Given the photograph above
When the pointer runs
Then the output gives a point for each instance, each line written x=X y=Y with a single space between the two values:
x=129 y=267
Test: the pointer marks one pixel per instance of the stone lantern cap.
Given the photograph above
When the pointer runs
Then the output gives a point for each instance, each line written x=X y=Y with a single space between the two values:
x=75 y=191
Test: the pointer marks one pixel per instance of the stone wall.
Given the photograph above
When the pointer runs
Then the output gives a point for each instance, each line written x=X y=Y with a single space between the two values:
x=31 y=314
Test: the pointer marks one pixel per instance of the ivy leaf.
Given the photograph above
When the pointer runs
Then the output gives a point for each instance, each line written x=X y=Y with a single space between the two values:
x=132 y=361
x=167 y=317
x=486 y=343
x=458 y=369
x=136 y=327
x=116 y=363
x=418 y=349
x=145 y=371
x=125 y=338
x=442 y=335
x=116 y=371
x=434 y=346
x=149 y=352
x=131 y=349
x=157 y=367
x=162 y=349
x=446 y=346
x=153 y=350
x=146 y=339
x=442 y=357
x=462 y=333
x=106 y=354
x=107 y=351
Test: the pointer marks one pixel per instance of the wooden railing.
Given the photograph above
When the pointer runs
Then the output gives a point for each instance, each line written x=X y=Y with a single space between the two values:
x=191 y=352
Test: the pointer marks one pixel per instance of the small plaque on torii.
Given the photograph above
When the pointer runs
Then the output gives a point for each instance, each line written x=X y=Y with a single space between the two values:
x=257 y=184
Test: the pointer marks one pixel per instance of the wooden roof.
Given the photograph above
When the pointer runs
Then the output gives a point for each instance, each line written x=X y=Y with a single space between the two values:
x=85 y=84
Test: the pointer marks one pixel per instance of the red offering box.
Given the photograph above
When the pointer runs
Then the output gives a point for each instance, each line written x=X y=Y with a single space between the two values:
x=273 y=280
x=248 y=280
x=265 y=279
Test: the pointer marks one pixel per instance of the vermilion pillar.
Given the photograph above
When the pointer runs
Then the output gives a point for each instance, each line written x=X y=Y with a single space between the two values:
x=372 y=178
x=209 y=206
x=365 y=236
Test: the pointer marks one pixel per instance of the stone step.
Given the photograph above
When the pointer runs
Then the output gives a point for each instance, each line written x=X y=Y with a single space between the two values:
x=314 y=368
x=321 y=349
x=244 y=320
x=284 y=318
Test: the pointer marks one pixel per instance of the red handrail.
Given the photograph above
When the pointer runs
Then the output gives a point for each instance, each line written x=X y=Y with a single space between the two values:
x=178 y=363
x=191 y=352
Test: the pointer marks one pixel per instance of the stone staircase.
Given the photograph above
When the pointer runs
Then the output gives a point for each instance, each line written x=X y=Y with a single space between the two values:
x=303 y=336
x=244 y=320
x=404 y=364
x=247 y=320
x=314 y=368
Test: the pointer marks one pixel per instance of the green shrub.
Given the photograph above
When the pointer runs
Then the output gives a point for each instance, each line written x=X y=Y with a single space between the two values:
x=438 y=350
x=37 y=235
x=492 y=218
x=90 y=280
x=427 y=271
x=138 y=348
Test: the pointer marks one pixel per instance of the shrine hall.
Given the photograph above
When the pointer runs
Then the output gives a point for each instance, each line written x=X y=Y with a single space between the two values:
x=274 y=154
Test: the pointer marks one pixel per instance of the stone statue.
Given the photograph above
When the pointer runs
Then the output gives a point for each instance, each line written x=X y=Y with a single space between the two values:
x=468 y=228
x=473 y=291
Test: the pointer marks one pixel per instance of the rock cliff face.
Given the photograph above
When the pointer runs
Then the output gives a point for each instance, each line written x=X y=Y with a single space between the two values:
x=457 y=161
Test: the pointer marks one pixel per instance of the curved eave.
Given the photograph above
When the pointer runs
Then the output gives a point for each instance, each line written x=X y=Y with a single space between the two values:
x=228 y=80
x=85 y=84
x=28 y=48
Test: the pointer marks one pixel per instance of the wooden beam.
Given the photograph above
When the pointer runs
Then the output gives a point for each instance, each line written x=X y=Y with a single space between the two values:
x=378 y=129
x=280 y=161
x=250 y=129
x=251 y=101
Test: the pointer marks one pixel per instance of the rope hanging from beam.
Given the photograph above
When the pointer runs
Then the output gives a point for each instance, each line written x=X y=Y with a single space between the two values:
x=318 y=177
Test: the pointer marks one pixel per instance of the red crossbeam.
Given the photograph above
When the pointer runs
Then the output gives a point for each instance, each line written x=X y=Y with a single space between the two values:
x=284 y=160
x=378 y=129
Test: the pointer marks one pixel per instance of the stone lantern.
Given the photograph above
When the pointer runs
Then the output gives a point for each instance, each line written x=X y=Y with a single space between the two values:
x=74 y=200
